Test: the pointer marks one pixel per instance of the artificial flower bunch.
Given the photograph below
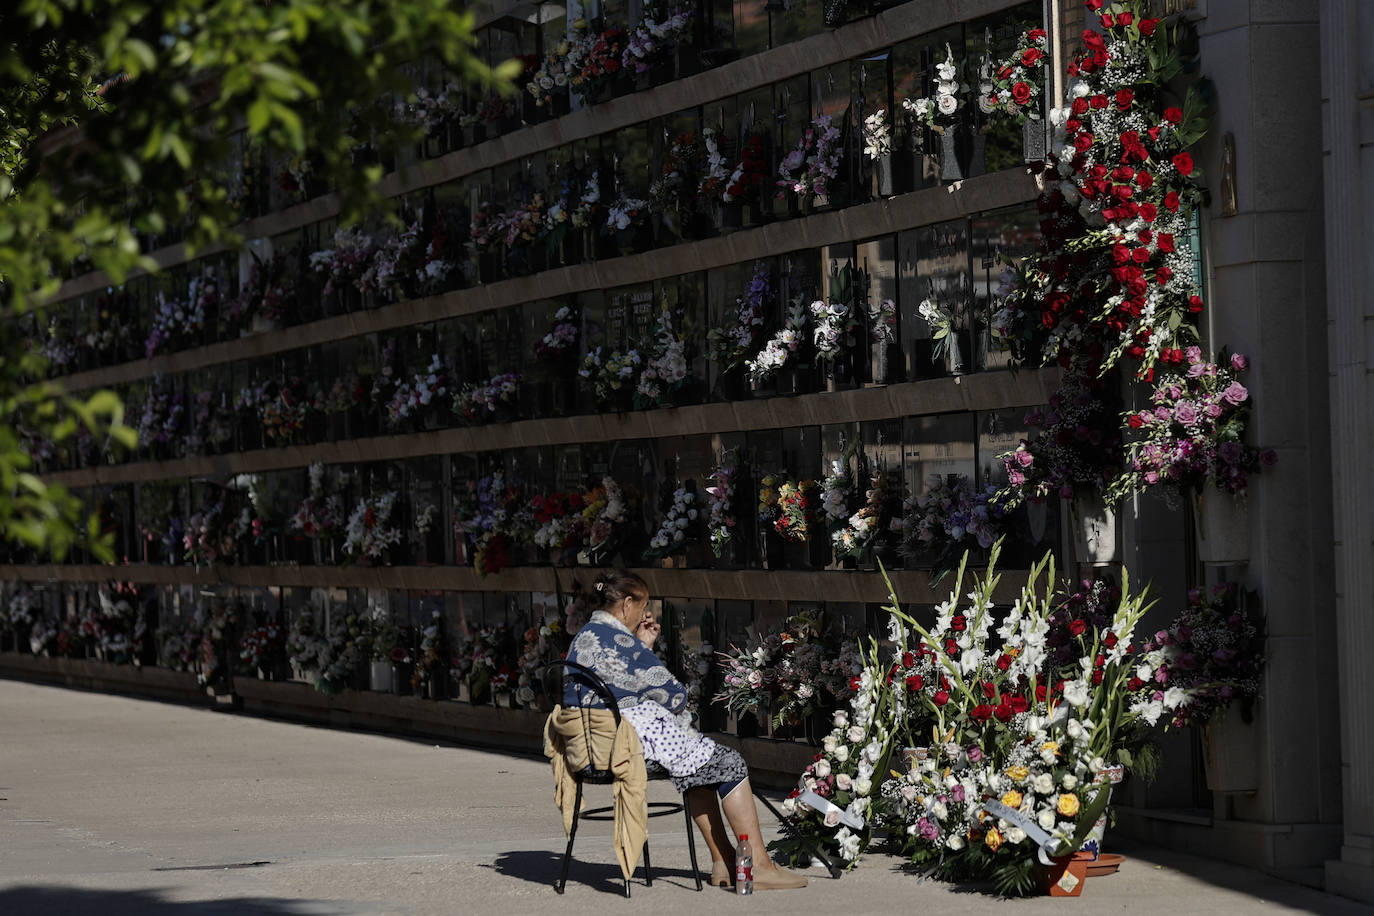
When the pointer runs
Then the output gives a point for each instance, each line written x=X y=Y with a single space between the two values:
x=882 y=321
x=665 y=366
x=321 y=512
x=492 y=515
x=558 y=521
x=163 y=414
x=745 y=181
x=624 y=214
x=679 y=174
x=347 y=262
x=367 y=533
x=657 y=33
x=1206 y=658
x=551 y=77
x=431 y=109
x=525 y=224
x=1013 y=87
x=781 y=346
x=877 y=135
x=207 y=538
x=561 y=338
x=941 y=323
x=265 y=297
x=835 y=492
x=414 y=262
x=429 y=658
x=808 y=170
x=595 y=60
x=487 y=228
x=862 y=529
x=1115 y=277
x=941 y=111
x=1078 y=450
x=730 y=345
x=1192 y=433
x=604 y=516
x=805 y=667
x=715 y=173
x=833 y=323
x=720 y=502
x=482 y=402
x=260 y=647
x=950 y=517
x=285 y=411
x=680 y=528
x=577 y=207
x=609 y=373
x=180 y=323
x=794 y=505
x=422 y=390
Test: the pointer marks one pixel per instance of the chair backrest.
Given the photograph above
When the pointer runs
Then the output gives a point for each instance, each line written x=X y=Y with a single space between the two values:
x=584 y=679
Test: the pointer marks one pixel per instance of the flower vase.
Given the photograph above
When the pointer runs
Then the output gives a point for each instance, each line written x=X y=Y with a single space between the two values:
x=400 y=678
x=972 y=152
x=360 y=678
x=1222 y=528
x=1231 y=752
x=882 y=176
x=379 y=676
x=949 y=159
x=1065 y=876
x=1106 y=779
x=1094 y=530
x=959 y=352
x=731 y=215
x=489 y=266
x=1033 y=141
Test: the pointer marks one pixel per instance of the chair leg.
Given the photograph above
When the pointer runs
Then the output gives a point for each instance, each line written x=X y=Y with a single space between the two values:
x=648 y=875
x=572 y=835
x=691 y=839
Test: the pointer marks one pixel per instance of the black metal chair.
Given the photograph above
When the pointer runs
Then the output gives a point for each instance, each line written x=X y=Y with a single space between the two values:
x=598 y=773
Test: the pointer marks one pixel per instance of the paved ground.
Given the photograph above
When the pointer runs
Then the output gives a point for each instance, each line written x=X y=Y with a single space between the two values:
x=116 y=806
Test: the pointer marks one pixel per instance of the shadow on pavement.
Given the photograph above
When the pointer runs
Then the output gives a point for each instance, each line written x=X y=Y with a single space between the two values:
x=60 y=901
x=542 y=867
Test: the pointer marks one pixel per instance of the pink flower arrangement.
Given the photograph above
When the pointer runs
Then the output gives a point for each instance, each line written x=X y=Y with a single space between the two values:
x=1191 y=433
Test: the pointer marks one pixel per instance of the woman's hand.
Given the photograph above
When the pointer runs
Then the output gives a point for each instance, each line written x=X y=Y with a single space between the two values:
x=648 y=631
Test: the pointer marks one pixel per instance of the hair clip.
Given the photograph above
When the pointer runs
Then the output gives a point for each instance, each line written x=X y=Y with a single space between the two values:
x=600 y=586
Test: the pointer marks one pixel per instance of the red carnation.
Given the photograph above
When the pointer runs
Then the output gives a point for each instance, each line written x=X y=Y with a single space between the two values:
x=1184 y=163
x=1135 y=422
x=958 y=623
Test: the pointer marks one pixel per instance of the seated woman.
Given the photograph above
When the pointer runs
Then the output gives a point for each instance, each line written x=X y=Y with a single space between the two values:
x=616 y=644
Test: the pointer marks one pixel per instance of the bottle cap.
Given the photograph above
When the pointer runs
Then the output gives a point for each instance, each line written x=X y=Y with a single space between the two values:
x=744 y=836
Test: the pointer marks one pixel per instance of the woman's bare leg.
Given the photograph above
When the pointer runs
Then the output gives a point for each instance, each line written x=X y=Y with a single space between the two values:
x=701 y=802
x=744 y=818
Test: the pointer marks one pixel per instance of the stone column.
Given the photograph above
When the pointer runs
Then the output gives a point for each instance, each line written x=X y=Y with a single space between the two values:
x=1347 y=53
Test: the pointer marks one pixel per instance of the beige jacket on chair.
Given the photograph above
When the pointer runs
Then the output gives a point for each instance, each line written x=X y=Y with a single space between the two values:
x=565 y=744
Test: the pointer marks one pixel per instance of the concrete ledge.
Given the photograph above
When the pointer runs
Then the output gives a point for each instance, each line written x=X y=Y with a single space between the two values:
x=1279 y=849
x=104 y=677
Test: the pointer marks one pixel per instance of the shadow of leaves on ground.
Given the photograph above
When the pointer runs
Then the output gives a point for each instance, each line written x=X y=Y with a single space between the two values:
x=74 y=901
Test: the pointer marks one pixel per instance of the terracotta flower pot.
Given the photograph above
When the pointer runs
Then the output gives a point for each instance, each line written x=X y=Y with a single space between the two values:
x=1065 y=877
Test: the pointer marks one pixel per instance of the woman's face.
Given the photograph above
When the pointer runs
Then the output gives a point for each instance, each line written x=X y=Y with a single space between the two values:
x=631 y=610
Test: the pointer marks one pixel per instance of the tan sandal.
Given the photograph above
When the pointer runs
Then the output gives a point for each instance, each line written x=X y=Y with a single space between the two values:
x=722 y=875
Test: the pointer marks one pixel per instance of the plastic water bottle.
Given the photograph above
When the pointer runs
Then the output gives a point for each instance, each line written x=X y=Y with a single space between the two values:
x=744 y=866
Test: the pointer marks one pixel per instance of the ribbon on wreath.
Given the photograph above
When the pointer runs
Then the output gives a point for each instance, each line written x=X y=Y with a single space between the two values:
x=1046 y=842
x=823 y=807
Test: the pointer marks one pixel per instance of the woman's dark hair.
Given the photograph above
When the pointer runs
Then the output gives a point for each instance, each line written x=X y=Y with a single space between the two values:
x=615 y=585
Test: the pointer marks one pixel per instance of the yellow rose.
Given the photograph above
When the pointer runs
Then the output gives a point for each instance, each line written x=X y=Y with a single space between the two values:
x=993 y=839
x=1051 y=746
x=1018 y=773
x=1012 y=799
x=1068 y=804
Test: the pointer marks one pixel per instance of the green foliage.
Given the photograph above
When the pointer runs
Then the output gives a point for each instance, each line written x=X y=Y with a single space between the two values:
x=107 y=101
